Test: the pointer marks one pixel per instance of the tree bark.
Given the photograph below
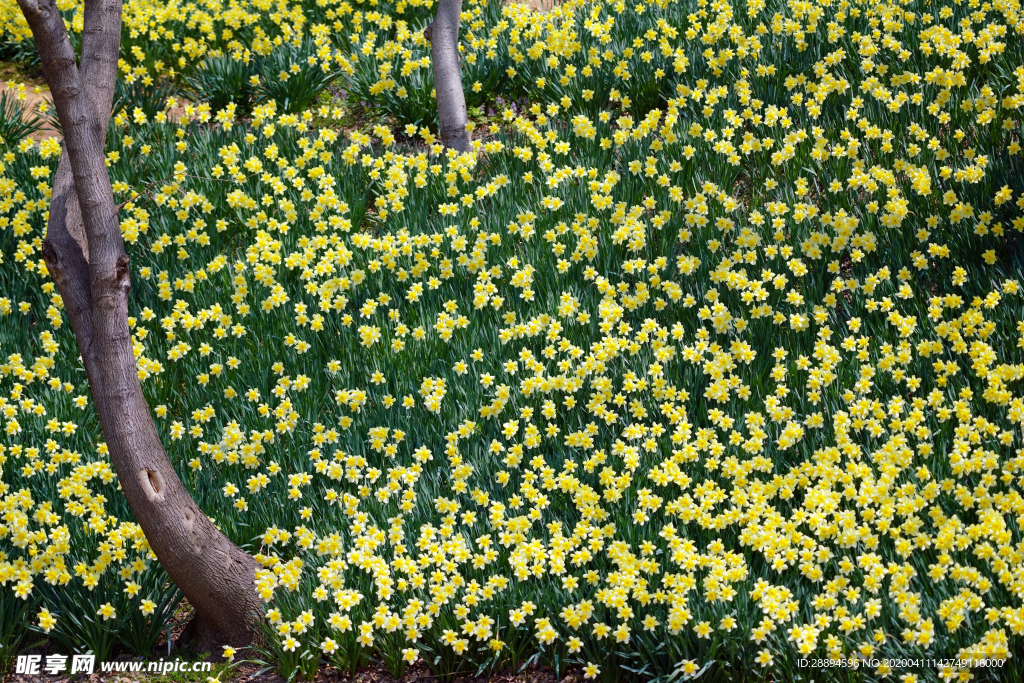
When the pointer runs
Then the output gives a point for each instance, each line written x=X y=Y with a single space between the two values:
x=85 y=255
x=443 y=34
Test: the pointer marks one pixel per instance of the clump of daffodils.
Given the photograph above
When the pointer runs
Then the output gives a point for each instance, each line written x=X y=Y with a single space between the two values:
x=711 y=345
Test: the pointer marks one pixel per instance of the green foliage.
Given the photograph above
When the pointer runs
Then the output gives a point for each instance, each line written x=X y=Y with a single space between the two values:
x=222 y=79
x=407 y=97
x=80 y=628
x=146 y=95
x=15 y=126
x=292 y=77
x=141 y=632
x=15 y=619
x=20 y=52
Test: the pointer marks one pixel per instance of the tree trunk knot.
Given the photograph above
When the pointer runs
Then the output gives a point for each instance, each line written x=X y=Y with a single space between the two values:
x=152 y=484
x=52 y=261
x=121 y=272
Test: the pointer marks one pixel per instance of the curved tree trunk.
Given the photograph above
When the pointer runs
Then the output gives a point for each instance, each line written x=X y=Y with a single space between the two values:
x=443 y=34
x=85 y=256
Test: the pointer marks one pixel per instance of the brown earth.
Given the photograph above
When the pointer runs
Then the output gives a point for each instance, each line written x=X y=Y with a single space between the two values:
x=541 y=5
